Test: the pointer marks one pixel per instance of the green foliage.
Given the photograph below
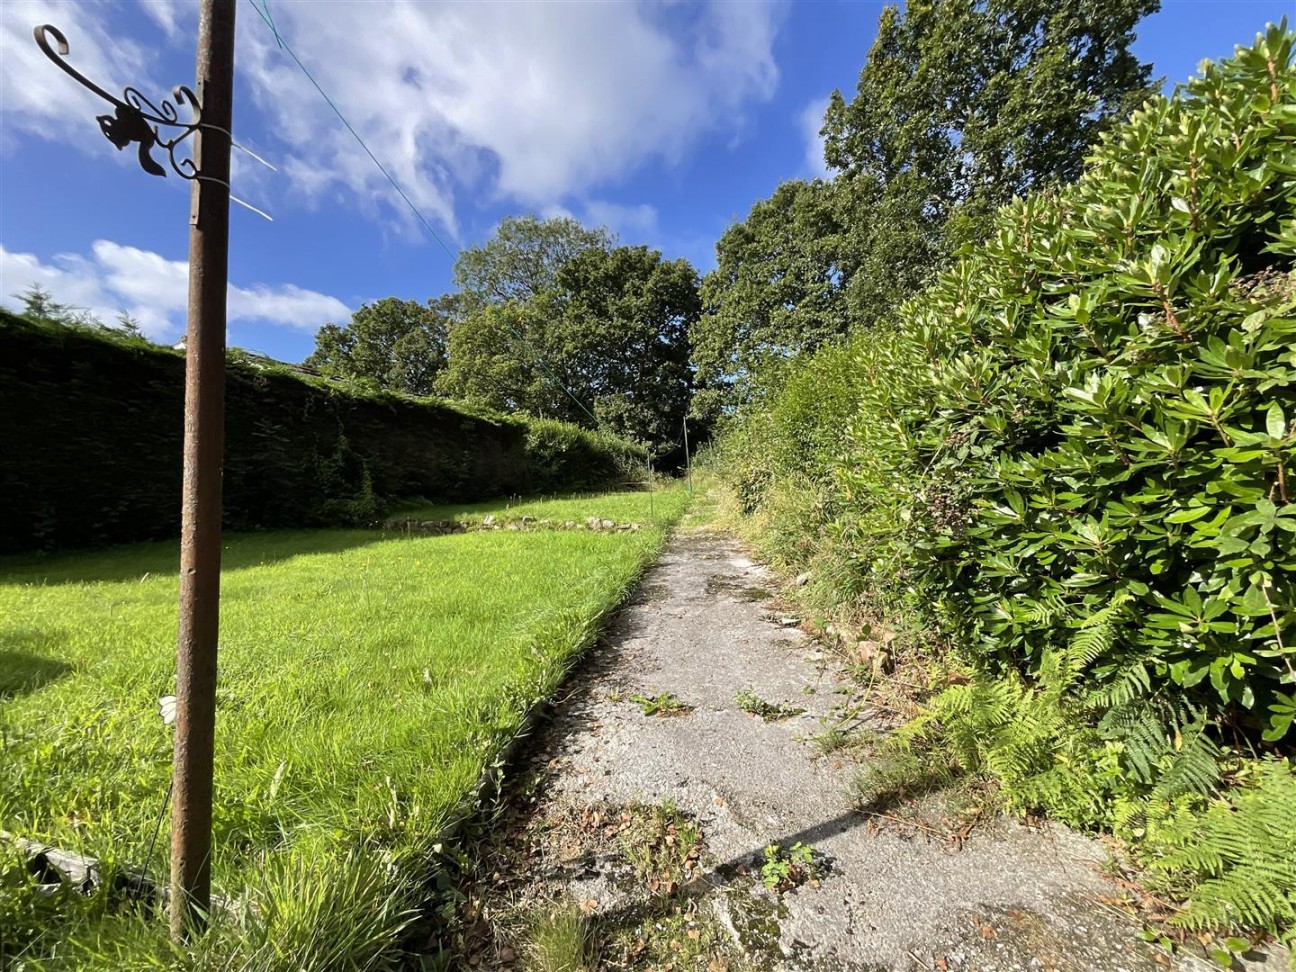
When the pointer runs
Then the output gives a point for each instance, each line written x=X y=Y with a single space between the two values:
x=753 y=704
x=962 y=105
x=39 y=305
x=522 y=259
x=775 y=291
x=1089 y=409
x=93 y=428
x=561 y=941
x=562 y=457
x=610 y=326
x=1233 y=858
x=661 y=704
x=1069 y=458
x=984 y=100
x=392 y=344
x=787 y=868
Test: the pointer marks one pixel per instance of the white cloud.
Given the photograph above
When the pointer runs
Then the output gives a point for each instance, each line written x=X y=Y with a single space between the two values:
x=810 y=121
x=37 y=98
x=154 y=290
x=631 y=223
x=537 y=103
x=168 y=14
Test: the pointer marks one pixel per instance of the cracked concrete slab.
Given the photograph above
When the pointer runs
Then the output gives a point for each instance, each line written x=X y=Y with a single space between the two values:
x=1011 y=896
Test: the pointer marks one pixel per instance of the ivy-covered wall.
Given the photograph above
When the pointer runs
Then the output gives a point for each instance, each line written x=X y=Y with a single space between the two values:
x=91 y=428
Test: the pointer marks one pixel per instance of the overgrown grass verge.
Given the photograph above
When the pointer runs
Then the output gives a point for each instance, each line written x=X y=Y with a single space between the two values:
x=367 y=684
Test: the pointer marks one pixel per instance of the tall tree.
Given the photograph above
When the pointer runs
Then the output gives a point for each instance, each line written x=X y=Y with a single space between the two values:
x=523 y=257
x=391 y=343
x=961 y=105
x=776 y=289
x=612 y=329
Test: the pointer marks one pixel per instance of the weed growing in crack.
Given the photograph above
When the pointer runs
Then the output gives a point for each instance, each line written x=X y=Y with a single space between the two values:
x=662 y=704
x=785 y=869
x=751 y=703
x=663 y=846
x=830 y=741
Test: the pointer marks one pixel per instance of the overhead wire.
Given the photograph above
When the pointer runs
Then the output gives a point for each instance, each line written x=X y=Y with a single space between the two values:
x=263 y=12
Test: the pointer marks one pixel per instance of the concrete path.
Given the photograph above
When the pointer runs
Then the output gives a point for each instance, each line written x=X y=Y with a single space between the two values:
x=1010 y=897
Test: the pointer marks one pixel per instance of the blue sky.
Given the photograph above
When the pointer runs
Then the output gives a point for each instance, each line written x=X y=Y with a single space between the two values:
x=663 y=121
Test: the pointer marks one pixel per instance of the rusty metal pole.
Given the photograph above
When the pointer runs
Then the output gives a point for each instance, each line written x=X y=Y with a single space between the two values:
x=204 y=449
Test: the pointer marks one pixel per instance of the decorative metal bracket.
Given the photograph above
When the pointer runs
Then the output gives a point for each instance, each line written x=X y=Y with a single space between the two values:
x=135 y=118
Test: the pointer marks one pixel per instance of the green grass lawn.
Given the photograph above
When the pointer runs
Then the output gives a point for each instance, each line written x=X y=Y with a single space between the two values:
x=367 y=682
x=629 y=507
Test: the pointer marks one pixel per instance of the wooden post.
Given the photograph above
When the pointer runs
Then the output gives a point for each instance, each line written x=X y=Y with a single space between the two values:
x=204 y=448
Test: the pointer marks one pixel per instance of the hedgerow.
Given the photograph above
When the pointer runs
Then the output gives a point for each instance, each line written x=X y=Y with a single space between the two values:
x=1070 y=458
x=92 y=428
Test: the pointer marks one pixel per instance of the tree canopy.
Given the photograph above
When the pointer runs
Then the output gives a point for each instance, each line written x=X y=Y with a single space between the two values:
x=988 y=99
x=612 y=329
x=392 y=343
x=961 y=105
x=523 y=257
x=776 y=288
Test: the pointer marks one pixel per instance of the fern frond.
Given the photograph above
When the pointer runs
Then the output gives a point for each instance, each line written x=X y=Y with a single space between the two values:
x=1241 y=850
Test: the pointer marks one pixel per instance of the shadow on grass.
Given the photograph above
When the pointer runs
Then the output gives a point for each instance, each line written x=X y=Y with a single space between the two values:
x=22 y=673
x=161 y=558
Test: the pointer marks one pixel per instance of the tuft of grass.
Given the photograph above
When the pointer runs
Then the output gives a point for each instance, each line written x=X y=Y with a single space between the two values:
x=831 y=740
x=561 y=941
x=663 y=846
x=367 y=685
x=753 y=704
x=662 y=704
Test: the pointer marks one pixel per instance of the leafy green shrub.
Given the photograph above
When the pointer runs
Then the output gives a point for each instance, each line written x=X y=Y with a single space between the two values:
x=1107 y=415
x=1071 y=458
x=1093 y=405
x=561 y=456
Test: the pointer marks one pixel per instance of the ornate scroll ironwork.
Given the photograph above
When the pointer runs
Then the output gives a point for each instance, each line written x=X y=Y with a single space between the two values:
x=135 y=118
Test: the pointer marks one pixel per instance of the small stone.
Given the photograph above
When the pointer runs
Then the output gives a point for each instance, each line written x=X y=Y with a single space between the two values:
x=802 y=579
x=789 y=622
x=608 y=524
x=507 y=954
x=488 y=520
x=867 y=651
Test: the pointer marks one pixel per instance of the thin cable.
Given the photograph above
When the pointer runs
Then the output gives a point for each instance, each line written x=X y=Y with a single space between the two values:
x=264 y=15
x=233 y=198
x=269 y=22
